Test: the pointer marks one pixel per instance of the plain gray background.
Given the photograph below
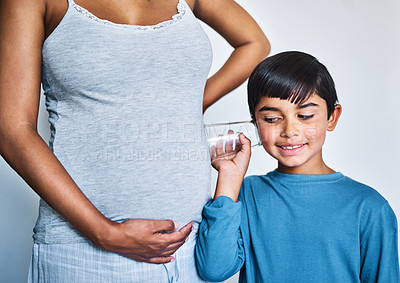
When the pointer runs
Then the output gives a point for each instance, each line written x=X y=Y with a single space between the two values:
x=358 y=41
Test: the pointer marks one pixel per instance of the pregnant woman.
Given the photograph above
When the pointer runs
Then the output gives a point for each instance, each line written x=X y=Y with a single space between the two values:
x=126 y=173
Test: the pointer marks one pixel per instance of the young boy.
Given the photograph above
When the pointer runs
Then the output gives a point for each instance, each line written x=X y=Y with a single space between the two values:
x=303 y=222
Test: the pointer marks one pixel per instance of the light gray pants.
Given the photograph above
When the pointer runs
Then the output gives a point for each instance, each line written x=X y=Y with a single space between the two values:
x=83 y=262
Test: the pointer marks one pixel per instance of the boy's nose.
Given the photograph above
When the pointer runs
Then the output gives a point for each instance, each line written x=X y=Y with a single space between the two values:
x=290 y=129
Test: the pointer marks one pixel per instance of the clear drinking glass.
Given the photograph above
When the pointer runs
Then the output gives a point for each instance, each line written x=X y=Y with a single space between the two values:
x=223 y=138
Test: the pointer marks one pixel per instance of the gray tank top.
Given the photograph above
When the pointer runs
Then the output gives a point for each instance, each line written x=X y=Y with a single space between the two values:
x=125 y=112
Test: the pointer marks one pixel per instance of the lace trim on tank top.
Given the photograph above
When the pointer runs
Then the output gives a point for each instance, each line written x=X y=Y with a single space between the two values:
x=180 y=7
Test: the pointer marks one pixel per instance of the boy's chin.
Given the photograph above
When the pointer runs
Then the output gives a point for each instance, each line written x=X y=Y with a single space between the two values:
x=292 y=167
x=290 y=164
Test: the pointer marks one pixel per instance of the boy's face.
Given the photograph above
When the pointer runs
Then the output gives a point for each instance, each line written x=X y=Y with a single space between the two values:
x=294 y=133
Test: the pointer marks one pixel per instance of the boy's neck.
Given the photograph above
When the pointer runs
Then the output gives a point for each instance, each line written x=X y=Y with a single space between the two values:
x=306 y=169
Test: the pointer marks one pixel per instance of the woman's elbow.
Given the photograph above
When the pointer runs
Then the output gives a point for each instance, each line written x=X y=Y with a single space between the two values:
x=12 y=133
x=264 y=46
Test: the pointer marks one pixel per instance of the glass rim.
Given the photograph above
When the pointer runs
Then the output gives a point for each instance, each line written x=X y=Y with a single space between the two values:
x=228 y=123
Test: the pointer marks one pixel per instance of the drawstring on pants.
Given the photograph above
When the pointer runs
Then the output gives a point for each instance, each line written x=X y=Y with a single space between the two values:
x=172 y=269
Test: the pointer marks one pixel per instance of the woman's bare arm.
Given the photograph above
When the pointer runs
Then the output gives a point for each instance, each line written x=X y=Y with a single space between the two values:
x=240 y=30
x=22 y=32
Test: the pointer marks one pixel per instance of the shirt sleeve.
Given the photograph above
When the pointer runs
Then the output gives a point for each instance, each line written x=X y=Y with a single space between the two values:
x=379 y=249
x=219 y=249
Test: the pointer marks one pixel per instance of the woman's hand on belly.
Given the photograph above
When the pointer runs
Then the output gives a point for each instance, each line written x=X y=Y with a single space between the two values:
x=152 y=241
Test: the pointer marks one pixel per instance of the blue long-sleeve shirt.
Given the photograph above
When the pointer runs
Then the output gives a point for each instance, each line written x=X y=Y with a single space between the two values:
x=299 y=228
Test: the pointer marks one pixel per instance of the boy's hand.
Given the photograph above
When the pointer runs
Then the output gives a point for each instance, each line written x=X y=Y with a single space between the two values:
x=232 y=166
x=232 y=160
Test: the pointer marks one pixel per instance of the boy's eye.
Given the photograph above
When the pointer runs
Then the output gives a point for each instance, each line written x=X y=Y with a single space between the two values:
x=305 y=117
x=270 y=120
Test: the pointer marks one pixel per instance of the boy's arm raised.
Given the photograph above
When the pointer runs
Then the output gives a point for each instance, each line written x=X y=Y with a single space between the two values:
x=219 y=249
x=231 y=171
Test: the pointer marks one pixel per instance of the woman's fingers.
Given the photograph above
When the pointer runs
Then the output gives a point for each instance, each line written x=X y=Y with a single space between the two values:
x=160 y=260
x=156 y=260
x=177 y=236
x=172 y=248
x=161 y=243
x=164 y=226
x=147 y=240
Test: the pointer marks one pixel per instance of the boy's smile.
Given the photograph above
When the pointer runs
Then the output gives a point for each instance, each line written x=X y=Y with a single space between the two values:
x=295 y=133
x=290 y=149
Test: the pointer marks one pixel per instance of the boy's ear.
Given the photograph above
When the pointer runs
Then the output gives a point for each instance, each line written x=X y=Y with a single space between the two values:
x=334 y=118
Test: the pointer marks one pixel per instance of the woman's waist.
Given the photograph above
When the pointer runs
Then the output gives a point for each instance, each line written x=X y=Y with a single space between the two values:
x=52 y=228
x=154 y=194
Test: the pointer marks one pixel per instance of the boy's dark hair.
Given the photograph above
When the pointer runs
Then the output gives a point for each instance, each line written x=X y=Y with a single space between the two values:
x=291 y=75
